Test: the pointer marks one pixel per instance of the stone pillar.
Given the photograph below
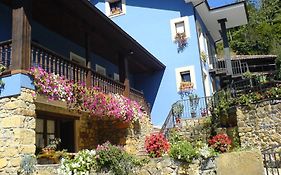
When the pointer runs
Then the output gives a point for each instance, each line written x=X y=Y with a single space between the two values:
x=17 y=130
x=225 y=46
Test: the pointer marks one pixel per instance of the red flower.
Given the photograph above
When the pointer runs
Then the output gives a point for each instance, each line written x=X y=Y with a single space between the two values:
x=156 y=145
x=220 y=142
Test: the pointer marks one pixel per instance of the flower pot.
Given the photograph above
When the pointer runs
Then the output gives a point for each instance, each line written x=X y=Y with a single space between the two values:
x=193 y=114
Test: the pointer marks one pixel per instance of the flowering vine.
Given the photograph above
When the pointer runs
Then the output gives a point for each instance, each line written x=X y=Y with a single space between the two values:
x=83 y=98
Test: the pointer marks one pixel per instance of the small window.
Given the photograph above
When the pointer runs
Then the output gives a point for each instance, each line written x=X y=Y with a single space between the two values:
x=185 y=76
x=180 y=26
x=115 y=7
x=77 y=59
x=101 y=70
x=116 y=77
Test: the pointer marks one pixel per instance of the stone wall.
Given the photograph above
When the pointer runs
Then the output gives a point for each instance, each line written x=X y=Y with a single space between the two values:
x=236 y=163
x=195 y=129
x=94 y=132
x=17 y=130
x=260 y=126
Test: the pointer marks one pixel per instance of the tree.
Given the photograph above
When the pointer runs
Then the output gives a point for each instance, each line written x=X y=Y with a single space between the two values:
x=262 y=35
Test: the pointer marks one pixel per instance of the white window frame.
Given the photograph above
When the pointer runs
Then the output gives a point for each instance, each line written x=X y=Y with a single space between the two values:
x=173 y=23
x=107 y=8
x=191 y=70
x=116 y=77
x=100 y=69
x=77 y=59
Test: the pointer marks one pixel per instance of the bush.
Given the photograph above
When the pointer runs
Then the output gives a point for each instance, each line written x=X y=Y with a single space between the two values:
x=156 y=145
x=114 y=159
x=220 y=142
x=82 y=163
x=183 y=151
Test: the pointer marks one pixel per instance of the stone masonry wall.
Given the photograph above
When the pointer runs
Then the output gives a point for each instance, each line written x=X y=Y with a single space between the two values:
x=132 y=136
x=195 y=129
x=260 y=127
x=17 y=130
x=224 y=164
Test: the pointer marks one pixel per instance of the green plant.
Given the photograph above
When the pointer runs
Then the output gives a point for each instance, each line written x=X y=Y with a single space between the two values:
x=156 y=145
x=2 y=69
x=27 y=165
x=203 y=56
x=193 y=101
x=183 y=151
x=114 y=159
x=247 y=74
x=204 y=151
x=177 y=109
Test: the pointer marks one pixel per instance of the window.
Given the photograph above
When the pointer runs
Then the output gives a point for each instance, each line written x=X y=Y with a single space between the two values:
x=48 y=129
x=185 y=76
x=115 y=7
x=77 y=59
x=180 y=26
x=101 y=70
x=116 y=77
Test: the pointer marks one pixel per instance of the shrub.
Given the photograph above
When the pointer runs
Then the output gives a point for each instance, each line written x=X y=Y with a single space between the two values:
x=183 y=151
x=27 y=165
x=82 y=163
x=220 y=142
x=156 y=145
x=114 y=159
x=204 y=151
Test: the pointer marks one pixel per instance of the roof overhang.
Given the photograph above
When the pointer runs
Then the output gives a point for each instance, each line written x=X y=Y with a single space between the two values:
x=235 y=14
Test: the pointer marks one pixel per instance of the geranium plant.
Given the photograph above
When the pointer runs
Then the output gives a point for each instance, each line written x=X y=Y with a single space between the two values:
x=156 y=145
x=220 y=142
x=82 y=98
x=185 y=89
x=181 y=41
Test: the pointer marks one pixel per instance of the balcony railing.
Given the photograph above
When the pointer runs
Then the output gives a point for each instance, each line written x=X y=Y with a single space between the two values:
x=55 y=63
x=5 y=53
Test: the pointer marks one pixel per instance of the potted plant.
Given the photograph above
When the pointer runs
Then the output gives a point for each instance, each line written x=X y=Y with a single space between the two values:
x=186 y=88
x=49 y=154
x=203 y=56
x=193 y=101
x=177 y=110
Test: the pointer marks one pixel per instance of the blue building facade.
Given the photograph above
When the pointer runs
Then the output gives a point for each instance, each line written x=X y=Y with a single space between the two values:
x=154 y=24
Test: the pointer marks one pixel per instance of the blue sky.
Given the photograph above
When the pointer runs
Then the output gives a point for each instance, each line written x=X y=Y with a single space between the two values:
x=216 y=3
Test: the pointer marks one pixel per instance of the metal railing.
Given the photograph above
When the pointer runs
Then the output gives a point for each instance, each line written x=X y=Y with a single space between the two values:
x=186 y=109
x=272 y=160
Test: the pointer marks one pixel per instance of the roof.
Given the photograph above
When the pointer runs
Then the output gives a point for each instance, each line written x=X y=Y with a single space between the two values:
x=74 y=19
x=235 y=14
x=251 y=57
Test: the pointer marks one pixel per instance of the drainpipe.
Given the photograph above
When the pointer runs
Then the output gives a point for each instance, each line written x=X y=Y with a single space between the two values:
x=225 y=46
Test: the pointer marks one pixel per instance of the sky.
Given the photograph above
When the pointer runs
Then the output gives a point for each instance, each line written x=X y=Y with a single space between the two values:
x=217 y=3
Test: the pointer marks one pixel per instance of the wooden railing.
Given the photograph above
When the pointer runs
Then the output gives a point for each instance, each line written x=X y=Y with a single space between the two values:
x=6 y=53
x=58 y=64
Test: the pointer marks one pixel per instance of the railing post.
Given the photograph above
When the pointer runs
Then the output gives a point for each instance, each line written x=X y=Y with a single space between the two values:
x=21 y=35
x=124 y=74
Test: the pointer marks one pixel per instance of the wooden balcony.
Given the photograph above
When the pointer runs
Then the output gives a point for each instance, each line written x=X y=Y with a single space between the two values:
x=55 y=63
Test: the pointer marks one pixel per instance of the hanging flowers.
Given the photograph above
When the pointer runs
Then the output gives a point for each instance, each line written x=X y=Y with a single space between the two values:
x=181 y=41
x=82 y=98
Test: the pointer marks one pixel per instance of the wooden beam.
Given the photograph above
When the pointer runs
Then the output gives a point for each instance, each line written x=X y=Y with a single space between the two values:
x=88 y=62
x=21 y=34
x=124 y=74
